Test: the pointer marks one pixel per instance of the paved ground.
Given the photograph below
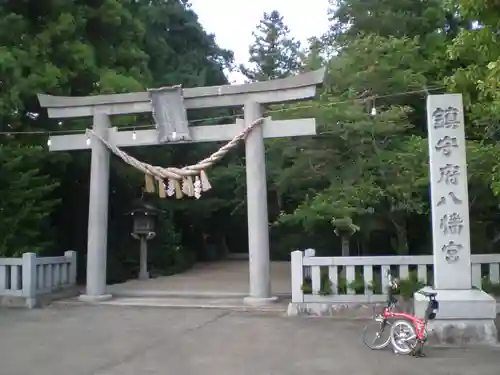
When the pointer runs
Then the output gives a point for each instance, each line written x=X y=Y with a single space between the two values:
x=112 y=340
x=230 y=276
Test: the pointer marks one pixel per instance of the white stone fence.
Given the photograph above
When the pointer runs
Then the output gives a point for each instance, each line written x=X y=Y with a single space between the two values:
x=359 y=279
x=29 y=277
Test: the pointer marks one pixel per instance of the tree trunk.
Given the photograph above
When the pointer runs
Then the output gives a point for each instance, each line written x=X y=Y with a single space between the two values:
x=402 y=235
x=279 y=200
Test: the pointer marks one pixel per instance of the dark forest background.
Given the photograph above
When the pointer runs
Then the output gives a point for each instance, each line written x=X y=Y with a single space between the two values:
x=360 y=187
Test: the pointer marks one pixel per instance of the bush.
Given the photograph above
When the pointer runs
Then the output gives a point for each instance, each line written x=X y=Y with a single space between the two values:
x=406 y=288
x=491 y=287
x=325 y=282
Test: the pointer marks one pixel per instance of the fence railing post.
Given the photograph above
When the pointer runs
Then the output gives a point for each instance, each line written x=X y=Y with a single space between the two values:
x=297 y=276
x=71 y=256
x=29 y=279
x=308 y=253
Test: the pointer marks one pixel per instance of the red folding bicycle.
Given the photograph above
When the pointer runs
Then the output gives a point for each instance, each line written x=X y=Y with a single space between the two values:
x=407 y=334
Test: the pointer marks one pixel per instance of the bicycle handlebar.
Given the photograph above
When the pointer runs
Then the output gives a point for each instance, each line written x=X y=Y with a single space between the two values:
x=393 y=282
x=393 y=285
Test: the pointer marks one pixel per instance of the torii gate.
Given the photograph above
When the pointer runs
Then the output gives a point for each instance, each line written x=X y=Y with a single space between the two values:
x=251 y=96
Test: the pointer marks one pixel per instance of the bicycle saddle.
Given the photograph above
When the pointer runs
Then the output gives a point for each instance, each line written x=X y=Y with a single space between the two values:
x=427 y=294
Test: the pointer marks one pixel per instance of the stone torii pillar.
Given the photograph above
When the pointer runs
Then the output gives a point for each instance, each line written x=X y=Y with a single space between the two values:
x=249 y=96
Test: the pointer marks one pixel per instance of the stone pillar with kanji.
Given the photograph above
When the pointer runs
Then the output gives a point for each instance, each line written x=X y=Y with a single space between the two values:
x=466 y=314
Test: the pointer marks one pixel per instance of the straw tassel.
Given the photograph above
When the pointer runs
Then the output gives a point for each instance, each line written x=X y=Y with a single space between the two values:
x=189 y=186
x=178 y=190
x=150 y=183
x=205 y=184
x=161 y=189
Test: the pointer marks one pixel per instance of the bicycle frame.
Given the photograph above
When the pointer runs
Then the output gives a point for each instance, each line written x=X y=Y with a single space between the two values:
x=418 y=323
x=386 y=312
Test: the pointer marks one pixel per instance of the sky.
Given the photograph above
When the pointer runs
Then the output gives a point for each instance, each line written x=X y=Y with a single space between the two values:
x=233 y=21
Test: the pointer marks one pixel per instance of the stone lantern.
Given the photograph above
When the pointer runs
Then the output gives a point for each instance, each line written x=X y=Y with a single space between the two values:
x=144 y=217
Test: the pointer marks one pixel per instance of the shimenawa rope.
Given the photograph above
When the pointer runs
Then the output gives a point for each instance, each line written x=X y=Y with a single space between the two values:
x=175 y=175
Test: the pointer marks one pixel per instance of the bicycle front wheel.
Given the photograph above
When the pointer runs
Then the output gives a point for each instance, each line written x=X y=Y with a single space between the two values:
x=377 y=335
x=403 y=337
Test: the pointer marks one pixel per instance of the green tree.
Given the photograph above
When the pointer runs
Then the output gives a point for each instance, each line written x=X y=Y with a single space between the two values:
x=383 y=177
x=313 y=57
x=27 y=201
x=361 y=165
x=178 y=48
x=64 y=47
x=340 y=175
x=427 y=25
x=476 y=77
x=274 y=53
x=405 y=18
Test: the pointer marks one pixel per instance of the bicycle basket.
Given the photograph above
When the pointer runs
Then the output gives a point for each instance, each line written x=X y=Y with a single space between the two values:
x=432 y=309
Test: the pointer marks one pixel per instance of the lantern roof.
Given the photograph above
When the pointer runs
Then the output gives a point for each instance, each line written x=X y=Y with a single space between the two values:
x=142 y=207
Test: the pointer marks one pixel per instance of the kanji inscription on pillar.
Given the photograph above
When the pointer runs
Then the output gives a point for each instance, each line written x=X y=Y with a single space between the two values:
x=449 y=195
x=446 y=145
x=451 y=251
x=447 y=118
x=449 y=174
x=451 y=223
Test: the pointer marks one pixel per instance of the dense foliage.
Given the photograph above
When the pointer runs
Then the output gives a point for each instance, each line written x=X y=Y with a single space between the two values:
x=359 y=187
x=79 y=48
x=367 y=176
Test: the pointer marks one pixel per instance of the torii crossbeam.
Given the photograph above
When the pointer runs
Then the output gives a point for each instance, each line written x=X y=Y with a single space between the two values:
x=251 y=96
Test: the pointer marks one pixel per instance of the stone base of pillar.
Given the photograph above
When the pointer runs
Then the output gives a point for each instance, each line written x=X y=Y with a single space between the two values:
x=94 y=299
x=144 y=275
x=465 y=317
x=258 y=301
x=463 y=332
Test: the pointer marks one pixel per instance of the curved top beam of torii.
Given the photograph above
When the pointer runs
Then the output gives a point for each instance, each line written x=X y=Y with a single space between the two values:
x=299 y=87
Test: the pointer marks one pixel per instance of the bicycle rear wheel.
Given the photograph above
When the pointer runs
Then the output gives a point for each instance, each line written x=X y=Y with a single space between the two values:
x=377 y=335
x=403 y=337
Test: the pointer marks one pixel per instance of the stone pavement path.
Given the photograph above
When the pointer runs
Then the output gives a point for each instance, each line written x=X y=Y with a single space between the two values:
x=227 y=276
x=118 y=340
